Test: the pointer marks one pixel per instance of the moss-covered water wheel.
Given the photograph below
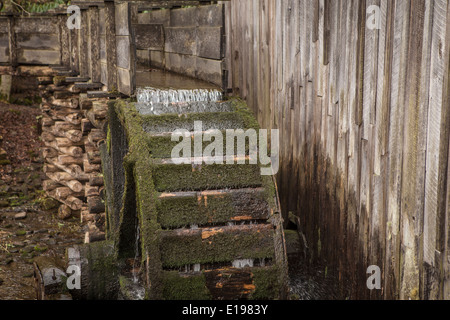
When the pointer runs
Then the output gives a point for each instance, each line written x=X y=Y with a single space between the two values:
x=207 y=231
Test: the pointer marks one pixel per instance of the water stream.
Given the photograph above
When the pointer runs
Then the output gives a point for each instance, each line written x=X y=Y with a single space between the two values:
x=155 y=101
x=137 y=289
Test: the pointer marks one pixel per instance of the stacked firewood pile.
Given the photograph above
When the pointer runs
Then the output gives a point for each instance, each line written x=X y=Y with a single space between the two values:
x=72 y=129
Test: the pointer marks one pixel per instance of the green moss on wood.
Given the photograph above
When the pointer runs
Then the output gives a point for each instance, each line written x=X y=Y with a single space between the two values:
x=178 y=250
x=203 y=208
x=267 y=283
x=183 y=177
x=177 y=287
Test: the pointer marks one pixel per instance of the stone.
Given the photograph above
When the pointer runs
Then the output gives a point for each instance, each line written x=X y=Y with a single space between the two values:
x=20 y=215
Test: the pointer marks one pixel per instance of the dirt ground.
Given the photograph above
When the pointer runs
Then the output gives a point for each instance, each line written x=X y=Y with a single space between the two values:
x=29 y=226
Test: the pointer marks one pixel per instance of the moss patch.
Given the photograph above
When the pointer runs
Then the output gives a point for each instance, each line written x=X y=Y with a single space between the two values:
x=267 y=285
x=185 y=177
x=176 y=287
x=223 y=246
x=203 y=208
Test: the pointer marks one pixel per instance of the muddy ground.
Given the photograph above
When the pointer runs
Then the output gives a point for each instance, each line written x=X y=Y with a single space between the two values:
x=29 y=226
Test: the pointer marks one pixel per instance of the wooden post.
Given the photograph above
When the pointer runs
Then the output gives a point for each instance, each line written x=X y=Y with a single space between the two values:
x=74 y=51
x=94 y=44
x=83 y=35
x=111 y=66
x=64 y=40
x=126 y=62
x=12 y=41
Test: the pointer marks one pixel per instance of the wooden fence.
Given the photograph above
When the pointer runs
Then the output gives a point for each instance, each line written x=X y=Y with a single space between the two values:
x=360 y=95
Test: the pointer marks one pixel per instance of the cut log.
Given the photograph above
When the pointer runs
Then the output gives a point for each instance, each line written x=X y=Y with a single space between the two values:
x=47 y=137
x=73 y=169
x=100 y=109
x=49 y=185
x=65 y=160
x=46 y=121
x=64 y=192
x=53 y=88
x=73 y=135
x=94 y=157
x=60 y=176
x=86 y=126
x=63 y=94
x=91 y=191
x=95 y=205
x=72 y=151
x=96 y=180
x=50 y=168
x=72 y=89
x=96 y=135
x=86 y=216
x=94 y=235
x=73 y=118
x=49 y=277
x=45 y=107
x=90 y=168
x=64 y=142
x=48 y=152
x=65 y=103
x=74 y=186
x=64 y=126
x=99 y=124
x=47 y=80
x=85 y=103
x=74 y=203
x=64 y=212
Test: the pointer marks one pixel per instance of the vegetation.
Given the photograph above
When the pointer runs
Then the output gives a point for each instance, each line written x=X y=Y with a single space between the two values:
x=31 y=6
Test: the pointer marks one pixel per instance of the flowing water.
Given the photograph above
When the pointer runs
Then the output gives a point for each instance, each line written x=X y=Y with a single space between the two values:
x=155 y=101
x=136 y=290
x=311 y=282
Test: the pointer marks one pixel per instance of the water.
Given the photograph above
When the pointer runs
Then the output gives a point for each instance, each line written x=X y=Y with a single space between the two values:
x=310 y=283
x=155 y=101
x=151 y=95
x=243 y=263
x=136 y=289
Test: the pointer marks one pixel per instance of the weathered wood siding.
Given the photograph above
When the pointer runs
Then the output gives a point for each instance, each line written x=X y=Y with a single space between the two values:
x=363 y=115
x=35 y=40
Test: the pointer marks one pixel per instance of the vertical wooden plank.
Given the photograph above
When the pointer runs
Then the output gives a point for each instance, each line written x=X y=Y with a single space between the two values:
x=64 y=40
x=381 y=84
x=83 y=36
x=413 y=159
x=444 y=205
x=370 y=73
x=111 y=61
x=399 y=60
x=94 y=44
x=12 y=43
x=334 y=54
x=74 y=51
x=228 y=43
x=436 y=153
